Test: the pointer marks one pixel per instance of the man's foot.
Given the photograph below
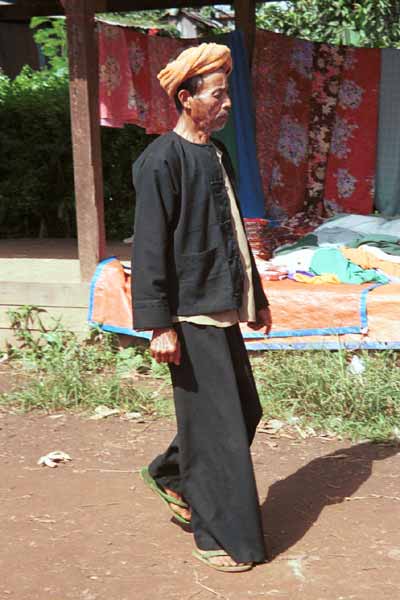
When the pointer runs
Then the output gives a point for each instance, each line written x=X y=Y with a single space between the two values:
x=174 y=501
x=186 y=513
x=221 y=561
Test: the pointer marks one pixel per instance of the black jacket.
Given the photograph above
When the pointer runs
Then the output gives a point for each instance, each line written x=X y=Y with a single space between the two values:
x=185 y=257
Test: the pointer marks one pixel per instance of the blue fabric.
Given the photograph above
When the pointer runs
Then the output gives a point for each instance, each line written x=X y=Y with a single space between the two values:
x=339 y=345
x=387 y=197
x=250 y=188
x=250 y=337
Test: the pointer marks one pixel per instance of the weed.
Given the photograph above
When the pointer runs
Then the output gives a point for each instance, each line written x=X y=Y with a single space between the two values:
x=318 y=388
x=62 y=372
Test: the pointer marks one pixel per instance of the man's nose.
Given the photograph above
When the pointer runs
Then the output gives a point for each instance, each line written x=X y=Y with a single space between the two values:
x=227 y=104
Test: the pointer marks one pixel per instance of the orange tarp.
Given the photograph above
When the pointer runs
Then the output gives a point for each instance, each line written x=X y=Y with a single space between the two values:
x=326 y=315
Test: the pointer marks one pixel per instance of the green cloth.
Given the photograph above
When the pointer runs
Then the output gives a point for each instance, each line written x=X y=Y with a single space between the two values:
x=227 y=136
x=387 y=243
x=331 y=260
x=308 y=241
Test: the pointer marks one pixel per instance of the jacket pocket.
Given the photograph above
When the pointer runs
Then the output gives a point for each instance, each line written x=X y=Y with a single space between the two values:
x=198 y=268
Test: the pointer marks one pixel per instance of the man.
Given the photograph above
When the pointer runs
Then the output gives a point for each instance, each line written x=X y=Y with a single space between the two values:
x=194 y=279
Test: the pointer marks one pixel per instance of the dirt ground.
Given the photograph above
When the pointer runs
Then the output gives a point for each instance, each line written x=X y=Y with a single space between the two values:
x=90 y=530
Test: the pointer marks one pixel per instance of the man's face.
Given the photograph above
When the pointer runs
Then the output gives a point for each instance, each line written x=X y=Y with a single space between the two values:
x=210 y=106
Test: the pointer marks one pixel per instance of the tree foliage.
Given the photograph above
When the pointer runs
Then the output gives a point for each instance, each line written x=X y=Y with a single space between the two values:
x=36 y=172
x=369 y=23
x=36 y=192
x=50 y=34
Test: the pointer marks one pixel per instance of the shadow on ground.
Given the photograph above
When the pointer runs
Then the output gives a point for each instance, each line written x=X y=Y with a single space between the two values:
x=294 y=504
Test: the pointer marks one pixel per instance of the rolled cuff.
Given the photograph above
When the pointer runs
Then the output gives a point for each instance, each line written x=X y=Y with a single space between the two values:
x=151 y=315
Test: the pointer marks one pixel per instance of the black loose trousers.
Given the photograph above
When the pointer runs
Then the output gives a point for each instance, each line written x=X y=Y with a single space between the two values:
x=209 y=461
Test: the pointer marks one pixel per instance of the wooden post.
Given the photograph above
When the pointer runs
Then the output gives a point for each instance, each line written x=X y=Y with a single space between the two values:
x=86 y=142
x=245 y=20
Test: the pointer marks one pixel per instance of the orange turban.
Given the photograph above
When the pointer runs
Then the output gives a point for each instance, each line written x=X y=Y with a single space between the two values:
x=197 y=60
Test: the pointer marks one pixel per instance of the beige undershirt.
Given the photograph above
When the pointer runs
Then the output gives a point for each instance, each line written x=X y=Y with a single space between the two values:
x=247 y=311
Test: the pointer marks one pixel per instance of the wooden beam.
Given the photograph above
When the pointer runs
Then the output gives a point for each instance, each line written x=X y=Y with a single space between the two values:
x=245 y=21
x=25 y=10
x=128 y=5
x=86 y=142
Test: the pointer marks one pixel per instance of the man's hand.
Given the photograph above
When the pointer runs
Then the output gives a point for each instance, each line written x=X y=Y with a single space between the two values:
x=264 y=319
x=165 y=346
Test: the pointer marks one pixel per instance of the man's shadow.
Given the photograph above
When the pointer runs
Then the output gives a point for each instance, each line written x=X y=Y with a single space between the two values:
x=294 y=504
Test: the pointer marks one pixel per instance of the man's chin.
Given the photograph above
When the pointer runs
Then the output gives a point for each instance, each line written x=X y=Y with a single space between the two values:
x=220 y=123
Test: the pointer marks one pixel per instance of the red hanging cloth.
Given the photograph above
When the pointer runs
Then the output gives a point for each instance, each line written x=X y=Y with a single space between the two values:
x=114 y=76
x=129 y=91
x=282 y=79
x=269 y=75
x=350 y=177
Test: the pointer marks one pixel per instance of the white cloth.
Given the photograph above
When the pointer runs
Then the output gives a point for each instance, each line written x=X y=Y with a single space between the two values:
x=379 y=253
x=298 y=260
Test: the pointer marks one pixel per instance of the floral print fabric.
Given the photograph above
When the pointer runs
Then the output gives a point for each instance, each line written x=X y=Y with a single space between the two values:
x=350 y=177
x=162 y=108
x=129 y=91
x=317 y=117
x=139 y=84
x=328 y=63
x=282 y=81
x=270 y=75
x=316 y=111
x=290 y=161
x=114 y=76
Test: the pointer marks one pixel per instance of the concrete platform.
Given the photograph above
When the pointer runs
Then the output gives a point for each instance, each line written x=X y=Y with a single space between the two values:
x=46 y=273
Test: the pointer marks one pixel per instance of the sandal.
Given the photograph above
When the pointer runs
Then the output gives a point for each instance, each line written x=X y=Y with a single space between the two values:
x=205 y=558
x=170 y=501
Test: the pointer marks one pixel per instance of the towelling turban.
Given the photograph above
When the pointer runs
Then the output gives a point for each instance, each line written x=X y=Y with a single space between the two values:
x=197 y=60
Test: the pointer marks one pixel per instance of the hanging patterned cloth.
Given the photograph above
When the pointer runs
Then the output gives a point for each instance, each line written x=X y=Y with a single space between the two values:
x=328 y=64
x=350 y=176
x=162 y=108
x=289 y=169
x=129 y=91
x=114 y=76
x=269 y=75
x=139 y=84
x=282 y=80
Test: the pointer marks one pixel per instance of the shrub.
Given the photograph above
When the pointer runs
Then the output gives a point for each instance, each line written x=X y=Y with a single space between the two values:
x=36 y=172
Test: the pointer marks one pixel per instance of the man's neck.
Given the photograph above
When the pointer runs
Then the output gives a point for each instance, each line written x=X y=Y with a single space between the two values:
x=189 y=130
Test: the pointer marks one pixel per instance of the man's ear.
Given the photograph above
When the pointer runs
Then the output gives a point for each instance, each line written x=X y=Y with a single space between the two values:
x=185 y=98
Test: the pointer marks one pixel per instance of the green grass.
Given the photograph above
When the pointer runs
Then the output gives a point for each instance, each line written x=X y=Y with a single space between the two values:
x=317 y=387
x=58 y=371
x=314 y=389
